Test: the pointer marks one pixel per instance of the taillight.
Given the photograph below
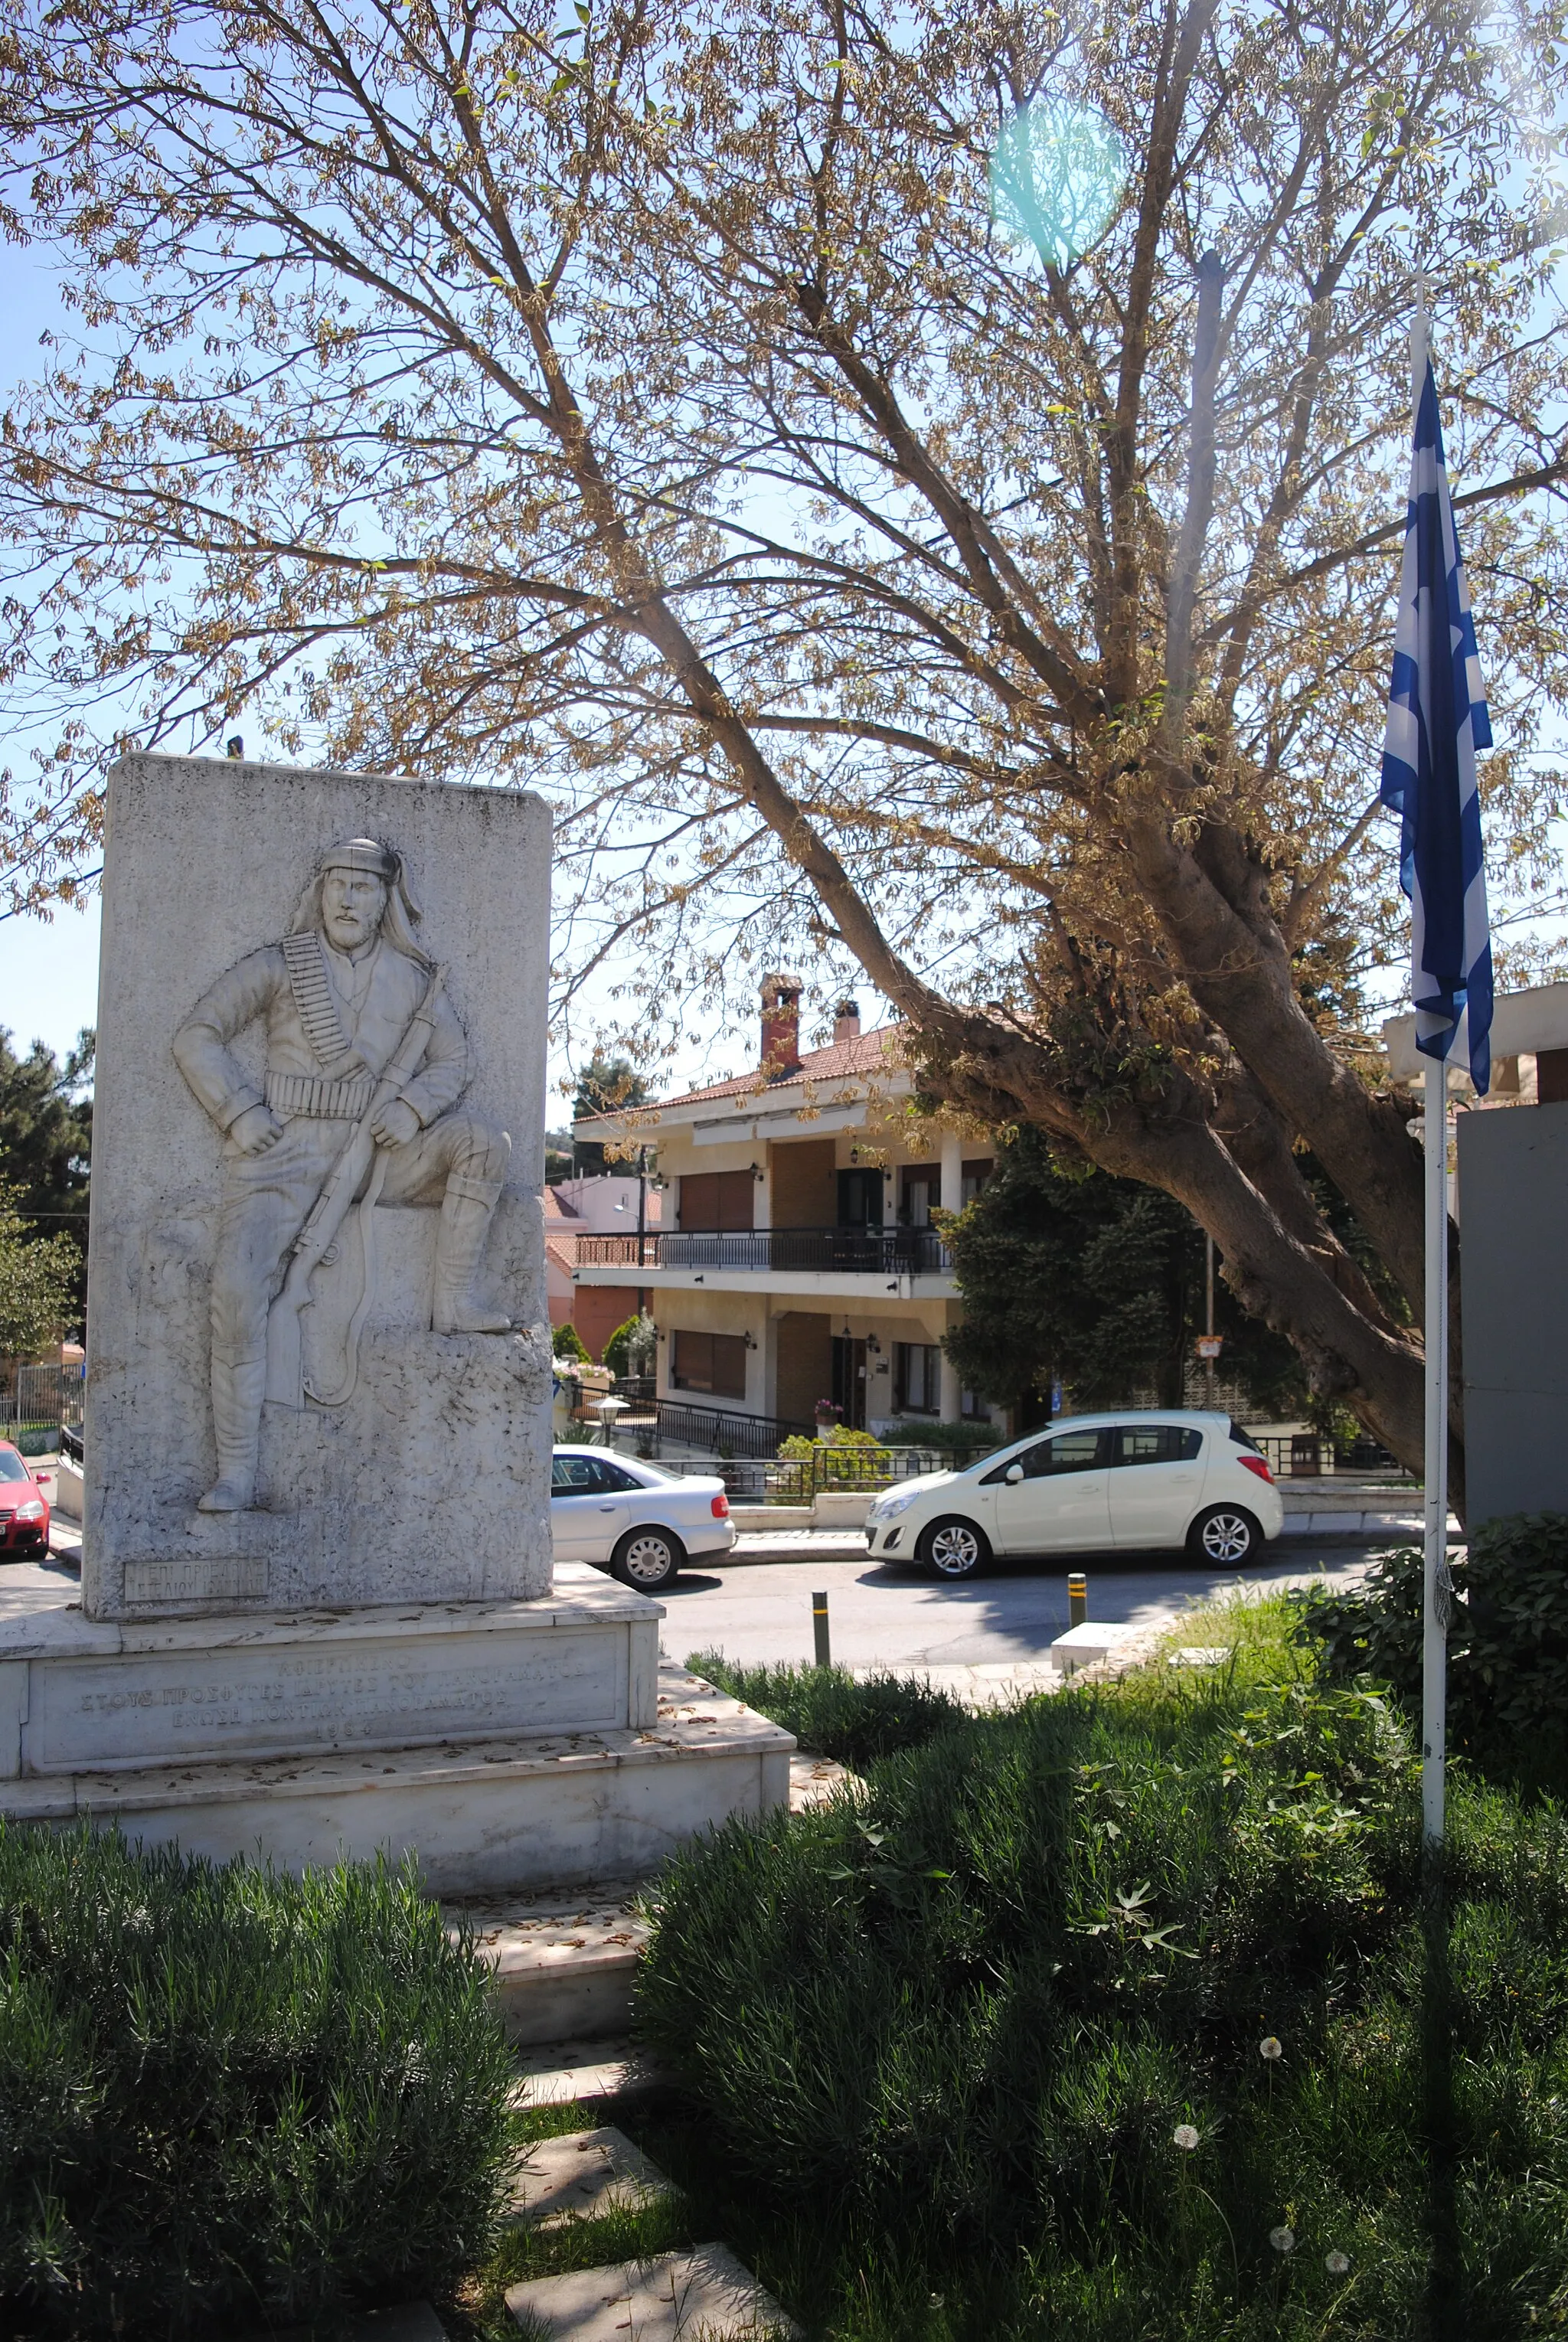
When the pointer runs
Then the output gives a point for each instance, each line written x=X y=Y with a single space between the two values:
x=1257 y=1466
x=720 y=1508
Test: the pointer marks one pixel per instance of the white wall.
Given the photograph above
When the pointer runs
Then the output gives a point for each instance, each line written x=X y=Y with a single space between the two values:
x=595 y=1200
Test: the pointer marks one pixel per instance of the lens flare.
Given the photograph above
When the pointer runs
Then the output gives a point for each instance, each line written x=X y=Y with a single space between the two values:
x=1057 y=178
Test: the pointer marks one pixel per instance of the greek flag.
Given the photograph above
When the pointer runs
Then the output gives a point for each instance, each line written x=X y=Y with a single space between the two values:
x=1436 y=721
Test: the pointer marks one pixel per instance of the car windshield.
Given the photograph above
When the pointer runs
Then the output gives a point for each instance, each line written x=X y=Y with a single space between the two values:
x=12 y=1466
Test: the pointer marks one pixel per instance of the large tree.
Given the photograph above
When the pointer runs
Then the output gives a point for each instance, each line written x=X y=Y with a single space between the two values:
x=46 y=1147
x=659 y=407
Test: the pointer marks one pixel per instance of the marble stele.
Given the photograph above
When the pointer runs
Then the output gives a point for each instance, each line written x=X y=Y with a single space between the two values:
x=318 y=1364
x=319 y=1616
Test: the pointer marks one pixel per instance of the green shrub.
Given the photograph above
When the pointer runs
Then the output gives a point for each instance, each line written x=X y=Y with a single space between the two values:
x=833 y=1714
x=1507 y=1643
x=799 y=1445
x=228 y=2096
x=942 y=2032
x=1003 y=1971
x=961 y=1439
x=630 y=1348
x=567 y=1343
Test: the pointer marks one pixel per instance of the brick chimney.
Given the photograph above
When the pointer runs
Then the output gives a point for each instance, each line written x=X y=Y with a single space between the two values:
x=780 y=1024
x=846 y=1021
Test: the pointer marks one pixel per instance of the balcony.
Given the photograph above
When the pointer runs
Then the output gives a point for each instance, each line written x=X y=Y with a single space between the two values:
x=779 y=1252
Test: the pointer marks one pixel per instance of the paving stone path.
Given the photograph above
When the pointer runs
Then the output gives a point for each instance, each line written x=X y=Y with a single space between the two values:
x=704 y=2294
x=585 y=2174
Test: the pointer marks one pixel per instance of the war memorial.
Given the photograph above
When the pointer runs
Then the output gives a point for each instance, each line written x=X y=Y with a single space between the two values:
x=317 y=1614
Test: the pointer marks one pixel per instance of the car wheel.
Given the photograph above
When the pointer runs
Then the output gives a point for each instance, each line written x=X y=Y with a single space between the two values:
x=954 y=1548
x=647 y=1560
x=1224 y=1536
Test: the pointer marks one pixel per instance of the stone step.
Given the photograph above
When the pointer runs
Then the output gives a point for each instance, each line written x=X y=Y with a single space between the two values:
x=482 y=1817
x=582 y=2174
x=584 y=2072
x=697 y=2295
x=564 y=1967
x=1093 y=1639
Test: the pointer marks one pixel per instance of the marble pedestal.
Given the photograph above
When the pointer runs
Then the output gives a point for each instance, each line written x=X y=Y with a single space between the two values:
x=505 y=1744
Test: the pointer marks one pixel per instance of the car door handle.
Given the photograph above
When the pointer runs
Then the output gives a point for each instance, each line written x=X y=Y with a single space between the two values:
x=607 y=1508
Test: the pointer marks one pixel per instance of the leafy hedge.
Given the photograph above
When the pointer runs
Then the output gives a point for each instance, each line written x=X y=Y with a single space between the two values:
x=229 y=2097
x=833 y=1714
x=1507 y=1643
x=986 y=2032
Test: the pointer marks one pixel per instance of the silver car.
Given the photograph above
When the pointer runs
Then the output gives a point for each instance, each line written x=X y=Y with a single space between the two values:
x=628 y=1516
x=1127 y=1478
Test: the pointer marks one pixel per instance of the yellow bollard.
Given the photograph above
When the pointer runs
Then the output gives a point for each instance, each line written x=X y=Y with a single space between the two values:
x=1077 y=1598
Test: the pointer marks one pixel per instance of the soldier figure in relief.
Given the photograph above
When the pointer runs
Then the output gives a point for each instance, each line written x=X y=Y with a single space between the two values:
x=338 y=995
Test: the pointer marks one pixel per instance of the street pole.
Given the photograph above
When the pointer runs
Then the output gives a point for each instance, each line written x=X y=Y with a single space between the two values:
x=1434 y=1610
x=1209 y=1317
x=642 y=1223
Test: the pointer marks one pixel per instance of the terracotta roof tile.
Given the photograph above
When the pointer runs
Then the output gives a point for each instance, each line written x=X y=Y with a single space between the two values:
x=837 y=1062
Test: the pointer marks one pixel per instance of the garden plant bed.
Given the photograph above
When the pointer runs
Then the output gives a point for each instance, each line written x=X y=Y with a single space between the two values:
x=1104 y=2019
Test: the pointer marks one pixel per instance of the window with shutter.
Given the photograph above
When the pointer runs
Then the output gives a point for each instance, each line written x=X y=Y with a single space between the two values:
x=716 y=1202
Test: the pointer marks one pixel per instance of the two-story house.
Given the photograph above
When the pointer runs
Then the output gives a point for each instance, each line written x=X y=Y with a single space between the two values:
x=796 y=1261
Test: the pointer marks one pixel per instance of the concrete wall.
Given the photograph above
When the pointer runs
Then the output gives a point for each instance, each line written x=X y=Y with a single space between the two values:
x=1514 y=1189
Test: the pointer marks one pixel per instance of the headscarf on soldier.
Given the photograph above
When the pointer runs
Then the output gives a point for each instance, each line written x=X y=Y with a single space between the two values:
x=402 y=915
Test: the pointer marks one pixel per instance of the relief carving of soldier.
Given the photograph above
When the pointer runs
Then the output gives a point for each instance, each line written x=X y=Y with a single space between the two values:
x=366 y=1062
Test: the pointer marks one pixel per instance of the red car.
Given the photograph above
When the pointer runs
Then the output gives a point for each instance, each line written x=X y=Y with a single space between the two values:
x=24 y=1507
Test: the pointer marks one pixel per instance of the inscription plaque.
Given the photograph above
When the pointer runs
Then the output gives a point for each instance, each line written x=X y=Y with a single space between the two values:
x=307 y=1698
x=197 y=1577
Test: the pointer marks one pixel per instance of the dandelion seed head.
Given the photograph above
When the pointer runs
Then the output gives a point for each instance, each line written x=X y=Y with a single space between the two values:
x=1270 y=2048
x=1185 y=2135
x=1336 y=2263
x=1284 y=2240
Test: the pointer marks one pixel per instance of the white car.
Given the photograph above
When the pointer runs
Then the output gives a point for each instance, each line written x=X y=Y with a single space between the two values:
x=627 y=1517
x=1091 y=1483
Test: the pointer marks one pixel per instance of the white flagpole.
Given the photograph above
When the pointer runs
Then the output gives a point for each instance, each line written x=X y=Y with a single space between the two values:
x=1435 y=1639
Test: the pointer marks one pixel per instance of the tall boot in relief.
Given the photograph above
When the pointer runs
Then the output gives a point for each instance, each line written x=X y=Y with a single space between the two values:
x=237 y=1393
x=465 y=1215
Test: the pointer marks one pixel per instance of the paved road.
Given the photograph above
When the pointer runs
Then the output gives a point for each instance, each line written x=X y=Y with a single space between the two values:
x=883 y=1617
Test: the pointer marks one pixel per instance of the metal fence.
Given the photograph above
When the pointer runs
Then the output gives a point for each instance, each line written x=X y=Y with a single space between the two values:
x=801 y=1479
x=1301 y=1454
x=715 y=1431
x=35 y=1402
x=868 y=1252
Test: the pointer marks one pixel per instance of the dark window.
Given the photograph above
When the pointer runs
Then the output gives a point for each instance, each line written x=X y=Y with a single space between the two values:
x=1243 y=1439
x=12 y=1466
x=917 y=1377
x=1070 y=1451
x=973 y=1407
x=860 y=1199
x=715 y=1201
x=971 y=1178
x=615 y=1475
x=922 y=1195
x=578 y=1476
x=716 y=1362
x=1157 y=1443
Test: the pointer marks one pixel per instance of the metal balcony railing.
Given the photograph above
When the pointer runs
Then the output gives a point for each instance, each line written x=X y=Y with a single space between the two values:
x=864 y=1252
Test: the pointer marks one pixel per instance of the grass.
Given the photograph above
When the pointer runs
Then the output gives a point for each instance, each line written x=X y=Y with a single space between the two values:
x=938 y=2040
x=832 y=1713
x=479 y=2312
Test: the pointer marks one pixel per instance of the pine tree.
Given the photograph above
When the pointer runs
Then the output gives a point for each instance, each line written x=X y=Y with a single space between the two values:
x=38 y=1284
x=45 y=1152
x=1068 y=1273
